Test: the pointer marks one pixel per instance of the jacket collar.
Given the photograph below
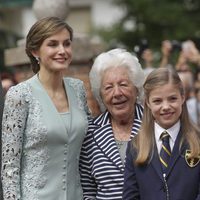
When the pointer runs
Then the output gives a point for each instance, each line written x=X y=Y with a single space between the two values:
x=104 y=138
x=104 y=118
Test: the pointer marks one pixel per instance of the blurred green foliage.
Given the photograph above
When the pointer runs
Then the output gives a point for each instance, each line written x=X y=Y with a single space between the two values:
x=14 y=3
x=155 y=21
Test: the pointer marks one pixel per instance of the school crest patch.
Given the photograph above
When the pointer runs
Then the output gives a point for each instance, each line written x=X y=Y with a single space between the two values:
x=192 y=162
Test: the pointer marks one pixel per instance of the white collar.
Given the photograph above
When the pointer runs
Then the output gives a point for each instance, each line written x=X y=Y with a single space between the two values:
x=173 y=131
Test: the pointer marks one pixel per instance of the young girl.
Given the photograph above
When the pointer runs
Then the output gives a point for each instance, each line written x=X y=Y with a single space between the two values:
x=148 y=173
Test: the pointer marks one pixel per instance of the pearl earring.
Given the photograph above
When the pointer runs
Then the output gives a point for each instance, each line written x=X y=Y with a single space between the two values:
x=38 y=60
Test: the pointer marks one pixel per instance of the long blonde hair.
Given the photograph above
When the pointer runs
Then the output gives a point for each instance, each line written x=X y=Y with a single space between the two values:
x=145 y=140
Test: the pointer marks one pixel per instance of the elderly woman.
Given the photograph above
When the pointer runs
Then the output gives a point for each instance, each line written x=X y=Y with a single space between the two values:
x=116 y=79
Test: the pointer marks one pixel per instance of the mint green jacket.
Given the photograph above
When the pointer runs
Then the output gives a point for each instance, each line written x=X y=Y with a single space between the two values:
x=40 y=154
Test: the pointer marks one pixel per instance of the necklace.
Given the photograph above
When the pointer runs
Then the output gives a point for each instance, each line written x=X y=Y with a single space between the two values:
x=121 y=140
x=121 y=137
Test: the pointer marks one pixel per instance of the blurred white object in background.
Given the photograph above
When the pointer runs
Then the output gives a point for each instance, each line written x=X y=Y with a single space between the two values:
x=46 y=8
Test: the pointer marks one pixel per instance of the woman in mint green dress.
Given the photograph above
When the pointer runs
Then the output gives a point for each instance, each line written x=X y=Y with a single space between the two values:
x=44 y=121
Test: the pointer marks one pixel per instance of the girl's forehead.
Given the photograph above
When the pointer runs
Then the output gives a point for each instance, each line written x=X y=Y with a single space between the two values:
x=165 y=88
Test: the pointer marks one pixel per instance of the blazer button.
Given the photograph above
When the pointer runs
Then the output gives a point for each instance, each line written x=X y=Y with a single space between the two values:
x=64 y=188
x=64 y=166
x=64 y=181
x=63 y=174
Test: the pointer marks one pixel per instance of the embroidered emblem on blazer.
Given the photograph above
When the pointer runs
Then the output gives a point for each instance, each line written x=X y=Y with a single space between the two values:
x=192 y=162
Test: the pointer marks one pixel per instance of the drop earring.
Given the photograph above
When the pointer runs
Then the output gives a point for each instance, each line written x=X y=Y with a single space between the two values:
x=38 y=60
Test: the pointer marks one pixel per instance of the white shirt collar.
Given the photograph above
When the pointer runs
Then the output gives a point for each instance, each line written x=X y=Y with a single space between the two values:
x=173 y=131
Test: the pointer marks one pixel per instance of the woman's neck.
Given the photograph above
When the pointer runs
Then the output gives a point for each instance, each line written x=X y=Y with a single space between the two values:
x=122 y=129
x=54 y=86
x=51 y=81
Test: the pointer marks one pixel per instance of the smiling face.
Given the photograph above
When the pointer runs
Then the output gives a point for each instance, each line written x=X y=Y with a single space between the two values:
x=55 y=53
x=118 y=93
x=165 y=103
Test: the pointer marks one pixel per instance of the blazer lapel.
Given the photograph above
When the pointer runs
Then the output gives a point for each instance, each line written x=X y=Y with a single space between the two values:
x=104 y=139
x=176 y=153
x=156 y=163
x=103 y=135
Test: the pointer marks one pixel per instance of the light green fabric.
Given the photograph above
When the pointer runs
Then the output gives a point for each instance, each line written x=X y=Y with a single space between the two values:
x=49 y=168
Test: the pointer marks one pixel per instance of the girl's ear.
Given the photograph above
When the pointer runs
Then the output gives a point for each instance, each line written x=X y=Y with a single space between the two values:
x=147 y=102
x=183 y=98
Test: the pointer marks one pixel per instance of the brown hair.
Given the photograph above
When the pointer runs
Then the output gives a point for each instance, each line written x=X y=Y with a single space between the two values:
x=40 y=31
x=145 y=140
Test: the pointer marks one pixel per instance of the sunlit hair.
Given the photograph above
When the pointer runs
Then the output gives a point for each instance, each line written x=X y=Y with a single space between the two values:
x=145 y=140
x=115 y=58
x=40 y=31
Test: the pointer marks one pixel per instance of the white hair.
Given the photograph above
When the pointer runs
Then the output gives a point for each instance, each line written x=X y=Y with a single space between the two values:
x=116 y=58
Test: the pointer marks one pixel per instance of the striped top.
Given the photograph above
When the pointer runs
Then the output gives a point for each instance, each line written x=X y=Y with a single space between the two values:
x=101 y=166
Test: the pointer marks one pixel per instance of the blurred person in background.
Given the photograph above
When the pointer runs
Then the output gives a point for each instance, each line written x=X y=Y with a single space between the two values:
x=187 y=67
x=182 y=64
x=197 y=92
x=193 y=56
x=116 y=79
x=190 y=97
x=166 y=49
x=145 y=55
x=191 y=52
x=7 y=80
x=169 y=50
x=148 y=59
x=197 y=79
x=44 y=121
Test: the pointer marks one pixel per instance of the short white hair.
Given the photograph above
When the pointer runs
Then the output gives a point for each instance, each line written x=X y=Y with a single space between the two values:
x=116 y=58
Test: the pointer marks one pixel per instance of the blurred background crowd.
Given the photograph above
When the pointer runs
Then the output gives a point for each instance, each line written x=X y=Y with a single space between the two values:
x=161 y=33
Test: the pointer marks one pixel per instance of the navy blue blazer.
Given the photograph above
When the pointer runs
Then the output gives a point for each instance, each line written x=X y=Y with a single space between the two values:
x=147 y=182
